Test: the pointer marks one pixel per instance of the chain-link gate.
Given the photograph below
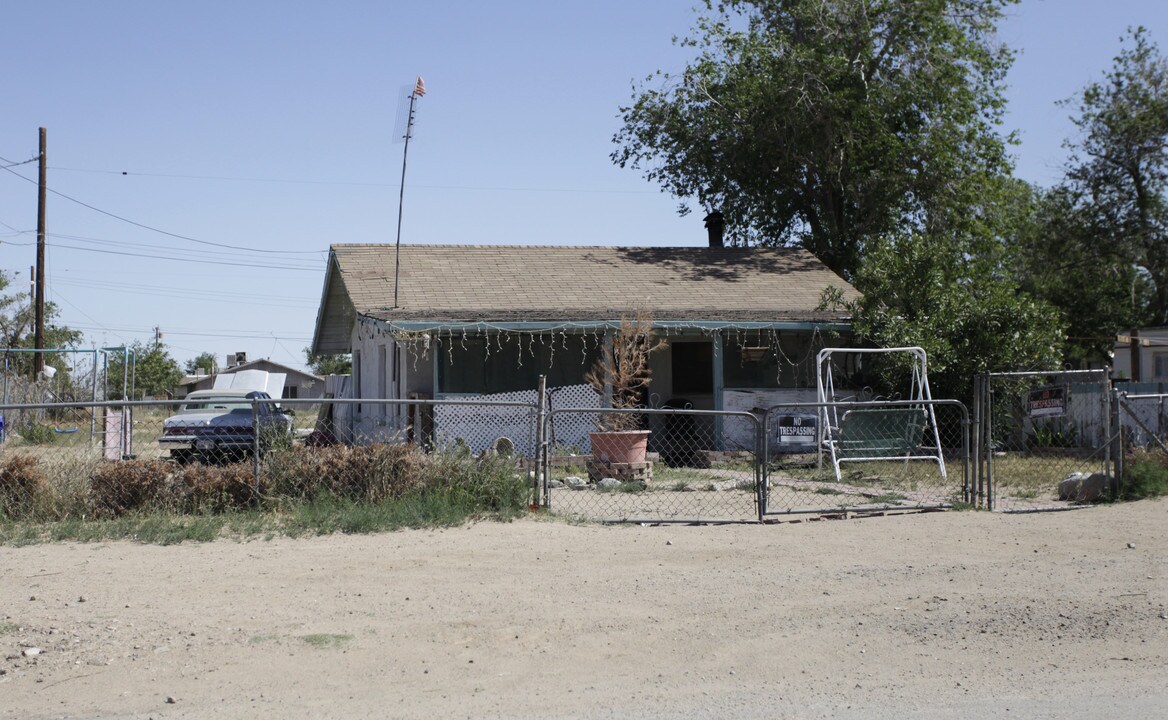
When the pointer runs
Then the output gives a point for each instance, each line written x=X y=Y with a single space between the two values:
x=1036 y=429
x=865 y=456
x=1142 y=422
x=690 y=466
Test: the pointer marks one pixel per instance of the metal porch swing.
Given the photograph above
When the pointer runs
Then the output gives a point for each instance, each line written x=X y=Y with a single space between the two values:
x=880 y=430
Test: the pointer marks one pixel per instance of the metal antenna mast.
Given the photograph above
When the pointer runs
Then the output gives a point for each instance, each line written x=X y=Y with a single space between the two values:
x=419 y=91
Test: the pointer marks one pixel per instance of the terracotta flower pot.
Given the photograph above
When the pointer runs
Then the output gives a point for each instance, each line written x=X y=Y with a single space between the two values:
x=620 y=446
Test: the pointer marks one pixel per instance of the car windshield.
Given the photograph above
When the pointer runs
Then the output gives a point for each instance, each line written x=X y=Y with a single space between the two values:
x=226 y=404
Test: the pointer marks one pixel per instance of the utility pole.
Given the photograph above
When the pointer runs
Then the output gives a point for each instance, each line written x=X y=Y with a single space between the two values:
x=38 y=363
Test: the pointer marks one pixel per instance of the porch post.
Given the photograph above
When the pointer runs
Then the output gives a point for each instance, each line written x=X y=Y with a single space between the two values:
x=719 y=387
x=435 y=361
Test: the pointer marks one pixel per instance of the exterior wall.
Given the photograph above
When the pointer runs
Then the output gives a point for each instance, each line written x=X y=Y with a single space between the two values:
x=387 y=369
x=1152 y=356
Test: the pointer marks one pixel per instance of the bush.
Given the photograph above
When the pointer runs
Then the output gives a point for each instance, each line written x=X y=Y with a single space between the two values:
x=35 y=433
x=377 y=473
x=1145 y=475
x=489 y=483
x=122 y=486
x=24 y=487
x=218 y=488
x=369 y=473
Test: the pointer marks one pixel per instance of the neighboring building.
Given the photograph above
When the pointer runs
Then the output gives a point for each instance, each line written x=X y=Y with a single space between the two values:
x=474 y=320
x=1141 y=355
x=297 y=383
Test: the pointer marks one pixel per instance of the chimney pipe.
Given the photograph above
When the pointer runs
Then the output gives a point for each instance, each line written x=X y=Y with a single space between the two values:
x=715 y=227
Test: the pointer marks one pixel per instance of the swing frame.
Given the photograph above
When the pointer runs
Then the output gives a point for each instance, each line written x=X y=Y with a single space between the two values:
x=877 y=430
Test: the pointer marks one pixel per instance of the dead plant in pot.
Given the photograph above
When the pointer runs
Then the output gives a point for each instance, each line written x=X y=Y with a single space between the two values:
x=623 y=370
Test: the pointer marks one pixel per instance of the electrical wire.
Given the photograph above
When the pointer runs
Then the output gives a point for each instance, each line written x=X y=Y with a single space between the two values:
x=154 y=229
x=352 y=183
x=233 y=298
x=186 y=260
x=193 y=254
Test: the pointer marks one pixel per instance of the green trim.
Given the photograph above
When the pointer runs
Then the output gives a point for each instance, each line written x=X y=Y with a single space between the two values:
x=413 y=326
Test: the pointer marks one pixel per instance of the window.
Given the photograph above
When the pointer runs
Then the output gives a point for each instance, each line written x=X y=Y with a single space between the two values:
x=1160 y=364
x=492 y=364
x=769 y=360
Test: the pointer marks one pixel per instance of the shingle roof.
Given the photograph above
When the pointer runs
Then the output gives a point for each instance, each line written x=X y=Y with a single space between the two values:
x=496 y=283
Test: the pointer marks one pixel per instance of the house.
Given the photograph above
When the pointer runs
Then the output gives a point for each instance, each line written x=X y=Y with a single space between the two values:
x=1141 y=355
x=448 y=321
x=297 y=383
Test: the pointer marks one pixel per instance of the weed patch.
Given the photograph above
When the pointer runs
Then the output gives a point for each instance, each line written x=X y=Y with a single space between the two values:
x=326 y=641
x=1145 y=475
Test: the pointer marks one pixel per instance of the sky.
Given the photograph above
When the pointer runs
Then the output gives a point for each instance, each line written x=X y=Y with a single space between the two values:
x=203 y=156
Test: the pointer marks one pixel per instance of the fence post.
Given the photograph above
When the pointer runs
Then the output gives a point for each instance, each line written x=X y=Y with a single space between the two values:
x=255 y=446
x=988 y=442
x=761 y=461
x=1117 y=438
x=540 y=472
x=974 y=439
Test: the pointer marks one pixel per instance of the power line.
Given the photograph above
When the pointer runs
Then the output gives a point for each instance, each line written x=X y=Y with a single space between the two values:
x=186 y=260
x=158 y=230
x=202 y=296
x=58 y=296
x=16 y=164
x=257 y=335
x=352 y=183
x=197 y=253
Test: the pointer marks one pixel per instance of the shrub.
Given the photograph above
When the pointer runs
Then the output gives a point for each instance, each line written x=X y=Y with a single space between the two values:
x=217 y=488
x=370 y=473
x=125 y=485
x=35 y=433
x=489 y=483
x=24 y=487
x=1145 y=475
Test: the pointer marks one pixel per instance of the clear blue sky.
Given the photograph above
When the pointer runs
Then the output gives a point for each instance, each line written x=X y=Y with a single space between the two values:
x=270 y=126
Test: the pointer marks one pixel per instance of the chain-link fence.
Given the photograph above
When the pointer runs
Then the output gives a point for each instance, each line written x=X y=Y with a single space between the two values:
x=1032 y=432
x=866 y=456
x=1037 y=429
x=679 y=465
x=213 y=453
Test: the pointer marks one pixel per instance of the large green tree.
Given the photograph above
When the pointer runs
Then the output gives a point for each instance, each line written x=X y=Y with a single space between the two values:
x=1115 y=195
x=152 y=372
x=827 y=123
x=1065 y=256
x=207 y=362
x=964 y=309
x=328 y=364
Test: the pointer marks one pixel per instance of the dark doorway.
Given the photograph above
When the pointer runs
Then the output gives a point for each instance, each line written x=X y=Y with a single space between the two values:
x=693 y=368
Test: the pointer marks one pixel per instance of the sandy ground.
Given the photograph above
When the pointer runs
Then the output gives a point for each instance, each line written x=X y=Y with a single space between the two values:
x=939 y=615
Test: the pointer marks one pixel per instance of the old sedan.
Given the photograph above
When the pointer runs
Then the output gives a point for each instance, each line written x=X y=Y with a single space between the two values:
x=220 y=424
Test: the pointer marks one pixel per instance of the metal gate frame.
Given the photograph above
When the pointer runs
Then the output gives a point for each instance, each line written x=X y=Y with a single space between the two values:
x=821 y=409
x=983 y=494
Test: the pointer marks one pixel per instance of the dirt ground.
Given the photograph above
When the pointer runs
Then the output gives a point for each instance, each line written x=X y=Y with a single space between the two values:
x=938 y=615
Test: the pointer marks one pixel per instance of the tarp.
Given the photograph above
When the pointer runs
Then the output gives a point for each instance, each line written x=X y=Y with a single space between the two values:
x=269 y=382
